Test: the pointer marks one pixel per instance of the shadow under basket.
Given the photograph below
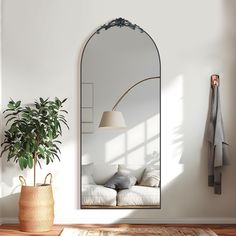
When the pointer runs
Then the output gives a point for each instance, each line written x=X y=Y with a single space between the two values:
x=36 y=207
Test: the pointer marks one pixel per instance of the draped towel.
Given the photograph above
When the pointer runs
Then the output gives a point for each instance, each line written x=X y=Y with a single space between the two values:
x=218 y=156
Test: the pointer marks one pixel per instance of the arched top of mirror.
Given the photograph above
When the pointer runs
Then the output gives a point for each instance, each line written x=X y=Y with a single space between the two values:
x=124 y=46
x=118 y=55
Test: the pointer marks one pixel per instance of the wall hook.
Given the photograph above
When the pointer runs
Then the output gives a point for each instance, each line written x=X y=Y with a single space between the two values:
x=215 y=80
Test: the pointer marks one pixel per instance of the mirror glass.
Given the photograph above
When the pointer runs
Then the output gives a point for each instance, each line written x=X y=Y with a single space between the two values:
x=120 y=168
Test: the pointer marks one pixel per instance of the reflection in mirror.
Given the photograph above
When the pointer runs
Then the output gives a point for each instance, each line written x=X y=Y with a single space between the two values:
x=120 y=168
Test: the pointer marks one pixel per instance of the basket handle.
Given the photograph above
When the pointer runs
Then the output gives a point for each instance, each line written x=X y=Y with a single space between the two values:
x=22 y=180
x=49 y=175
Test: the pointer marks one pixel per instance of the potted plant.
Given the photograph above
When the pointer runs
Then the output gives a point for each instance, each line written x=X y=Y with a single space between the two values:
x=30 y=141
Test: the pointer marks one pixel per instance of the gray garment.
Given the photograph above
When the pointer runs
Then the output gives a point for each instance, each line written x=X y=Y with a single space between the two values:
x=217 y=145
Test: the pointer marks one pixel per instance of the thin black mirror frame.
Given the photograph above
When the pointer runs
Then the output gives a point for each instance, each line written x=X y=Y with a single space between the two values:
x=118 y=22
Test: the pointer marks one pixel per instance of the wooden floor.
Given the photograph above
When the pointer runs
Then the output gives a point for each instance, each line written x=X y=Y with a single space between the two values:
x=13 y=230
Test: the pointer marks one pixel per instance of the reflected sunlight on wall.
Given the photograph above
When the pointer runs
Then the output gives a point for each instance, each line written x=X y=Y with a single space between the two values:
x=135 y=136
x=115 y=149
x=139 y=145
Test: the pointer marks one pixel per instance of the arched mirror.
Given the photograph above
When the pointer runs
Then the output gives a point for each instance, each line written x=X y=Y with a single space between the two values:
x=120 y=149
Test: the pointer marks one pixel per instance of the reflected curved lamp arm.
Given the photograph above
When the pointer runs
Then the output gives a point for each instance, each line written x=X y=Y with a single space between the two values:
x=114 y=119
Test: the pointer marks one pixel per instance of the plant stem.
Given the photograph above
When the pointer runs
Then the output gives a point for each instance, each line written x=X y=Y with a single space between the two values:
x=35 y=162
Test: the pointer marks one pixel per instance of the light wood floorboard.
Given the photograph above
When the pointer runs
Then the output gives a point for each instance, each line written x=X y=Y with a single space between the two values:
x=13 y=230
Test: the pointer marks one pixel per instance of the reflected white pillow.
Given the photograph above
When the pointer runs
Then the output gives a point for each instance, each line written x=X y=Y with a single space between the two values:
x=150 y=178
x=87 y=174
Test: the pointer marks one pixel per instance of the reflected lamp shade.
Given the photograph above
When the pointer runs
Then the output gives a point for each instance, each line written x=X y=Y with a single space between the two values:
x=113 y=120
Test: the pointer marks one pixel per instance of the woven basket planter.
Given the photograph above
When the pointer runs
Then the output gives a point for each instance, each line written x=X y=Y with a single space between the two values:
x=36 y=207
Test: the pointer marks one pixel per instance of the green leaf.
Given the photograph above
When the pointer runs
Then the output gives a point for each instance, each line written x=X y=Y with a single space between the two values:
x=11 y=106
x=15 y=159
x=12 y=118
x=18 y=104
x=64 y=111
x=41 y=150
x=27 y=147
x=47 y=160
x=54 y=154
x=5 y=142
x=65 y=123
x=57 y=141
x=52 y=150
x=50 y=134
x=6 y=148
x=57 y=148
x=30 y=162
x=59 y=126
x=22 y=163
x=37 y=105
x=64 y=100
x=12 y=114
x=33 y=130
x=39 y=164
x=58 y=102
x=25 y=163
x=7 y=110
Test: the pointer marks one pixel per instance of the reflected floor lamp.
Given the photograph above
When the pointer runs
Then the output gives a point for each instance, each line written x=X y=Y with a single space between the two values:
x=114 y=119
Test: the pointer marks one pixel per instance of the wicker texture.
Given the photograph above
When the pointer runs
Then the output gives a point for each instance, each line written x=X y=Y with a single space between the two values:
x=36 y=208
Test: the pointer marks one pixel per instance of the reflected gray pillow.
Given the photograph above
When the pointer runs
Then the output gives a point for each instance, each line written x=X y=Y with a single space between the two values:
x=119 y=181
x=150 y=178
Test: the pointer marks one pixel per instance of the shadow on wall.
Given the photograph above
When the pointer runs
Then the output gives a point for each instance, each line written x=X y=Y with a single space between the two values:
x=12 y=170
x=9 y=201
x=9 y=205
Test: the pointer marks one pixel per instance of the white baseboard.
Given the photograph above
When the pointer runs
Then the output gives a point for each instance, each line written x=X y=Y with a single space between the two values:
x=202 y=220
x=149 y=221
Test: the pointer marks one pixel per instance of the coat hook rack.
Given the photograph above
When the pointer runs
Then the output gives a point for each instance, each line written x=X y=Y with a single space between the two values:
x=215 y=80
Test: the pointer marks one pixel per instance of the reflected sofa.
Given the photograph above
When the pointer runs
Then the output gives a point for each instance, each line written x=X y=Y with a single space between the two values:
x=94 y=194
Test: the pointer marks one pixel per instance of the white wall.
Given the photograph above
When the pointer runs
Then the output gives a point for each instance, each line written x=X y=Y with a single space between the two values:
x=42 y=43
